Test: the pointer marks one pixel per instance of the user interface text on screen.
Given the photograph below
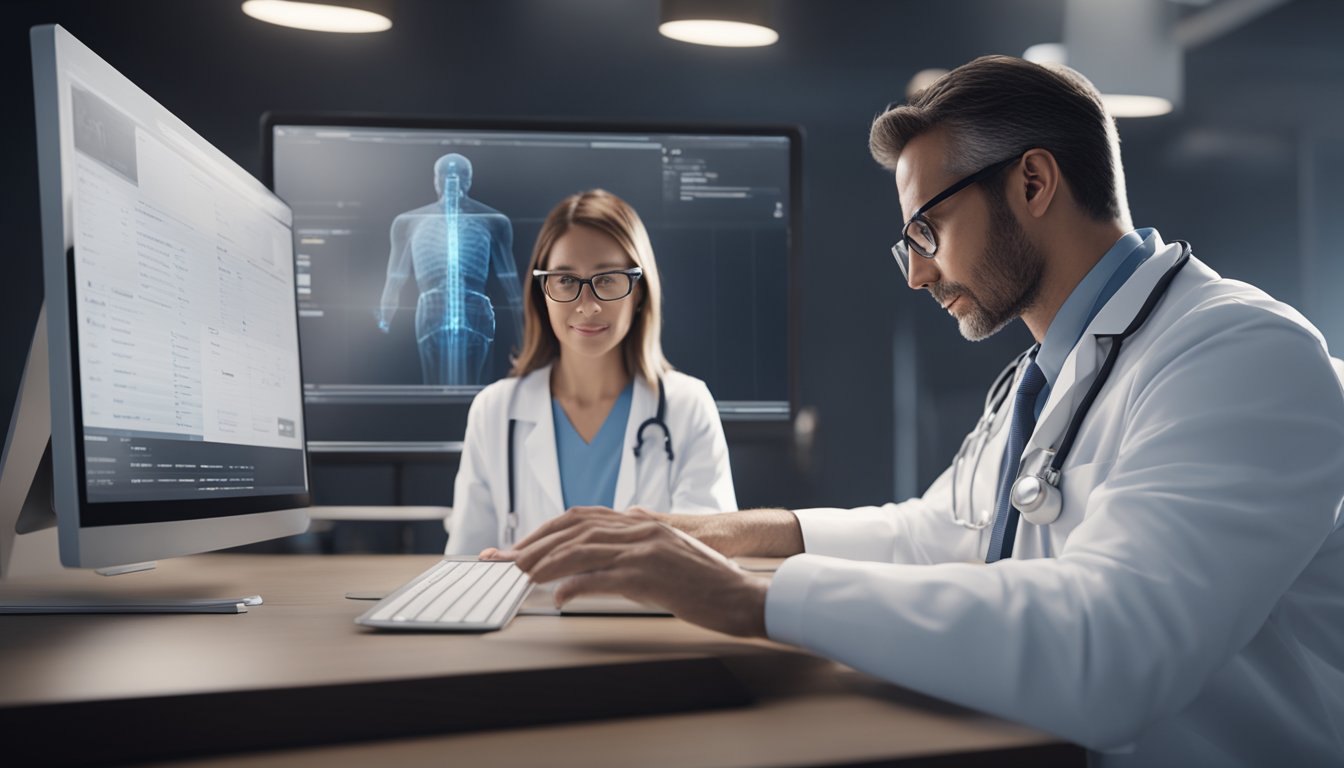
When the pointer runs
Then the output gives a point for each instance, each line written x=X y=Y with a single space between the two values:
x=188 y=368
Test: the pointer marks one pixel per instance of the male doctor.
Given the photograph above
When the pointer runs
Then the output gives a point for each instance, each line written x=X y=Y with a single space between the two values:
x=1186 y=607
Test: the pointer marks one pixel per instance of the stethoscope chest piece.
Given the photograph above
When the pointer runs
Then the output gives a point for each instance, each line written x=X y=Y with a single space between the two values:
x=1037 y=500
x=1036 y=494
x=656 y=421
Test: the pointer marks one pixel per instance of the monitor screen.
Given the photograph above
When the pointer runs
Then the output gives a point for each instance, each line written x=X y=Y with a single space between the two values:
x=187 y=342
x=170 y=291
x=413 y=237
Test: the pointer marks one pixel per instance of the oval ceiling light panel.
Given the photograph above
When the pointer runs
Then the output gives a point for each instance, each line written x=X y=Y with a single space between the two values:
x=727 y=23
x=317 y=17
x=1129 y=105
x=731 y=34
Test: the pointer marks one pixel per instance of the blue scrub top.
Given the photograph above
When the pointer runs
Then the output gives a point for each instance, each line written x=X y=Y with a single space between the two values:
x=588 y=470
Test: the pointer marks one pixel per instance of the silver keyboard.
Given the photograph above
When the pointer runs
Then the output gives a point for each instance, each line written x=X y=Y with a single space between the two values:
x=453 y=596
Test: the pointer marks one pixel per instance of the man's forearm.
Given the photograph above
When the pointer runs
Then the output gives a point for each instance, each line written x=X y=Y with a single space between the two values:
x=749 y=533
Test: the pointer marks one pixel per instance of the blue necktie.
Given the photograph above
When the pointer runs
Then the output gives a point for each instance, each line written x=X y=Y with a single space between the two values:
x=1024 y=422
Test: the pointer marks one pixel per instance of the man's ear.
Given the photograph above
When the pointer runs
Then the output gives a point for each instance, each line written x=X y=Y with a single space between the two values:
x=1039 y=180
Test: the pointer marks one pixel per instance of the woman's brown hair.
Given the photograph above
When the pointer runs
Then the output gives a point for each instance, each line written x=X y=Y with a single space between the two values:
x=642 y=346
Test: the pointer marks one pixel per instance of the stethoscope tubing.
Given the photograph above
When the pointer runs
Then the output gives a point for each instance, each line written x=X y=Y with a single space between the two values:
x=657 y=420
x=1001 y=388
x=1141 y=317
x=979 y=438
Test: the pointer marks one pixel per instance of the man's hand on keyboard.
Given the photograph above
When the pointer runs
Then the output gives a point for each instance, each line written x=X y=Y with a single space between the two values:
x=595 y=550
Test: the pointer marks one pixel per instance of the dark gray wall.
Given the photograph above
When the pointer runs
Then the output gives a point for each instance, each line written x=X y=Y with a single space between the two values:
x=1248 y=171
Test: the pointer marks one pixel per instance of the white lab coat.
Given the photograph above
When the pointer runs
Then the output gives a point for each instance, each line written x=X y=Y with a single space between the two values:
x=1187 y=608
x=697 y=481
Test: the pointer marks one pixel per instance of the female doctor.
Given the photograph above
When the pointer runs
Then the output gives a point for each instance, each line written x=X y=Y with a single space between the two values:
x=592 y=413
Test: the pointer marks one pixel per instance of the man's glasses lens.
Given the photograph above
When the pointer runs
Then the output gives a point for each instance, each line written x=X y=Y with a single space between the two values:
x=608 y=286
x=902 y=254
x=920 y=237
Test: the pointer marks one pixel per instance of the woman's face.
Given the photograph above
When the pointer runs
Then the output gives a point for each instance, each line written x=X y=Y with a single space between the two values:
x=589 y=326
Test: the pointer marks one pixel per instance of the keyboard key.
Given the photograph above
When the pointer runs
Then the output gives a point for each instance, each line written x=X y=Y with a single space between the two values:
x=453 y=595
x=391 y=604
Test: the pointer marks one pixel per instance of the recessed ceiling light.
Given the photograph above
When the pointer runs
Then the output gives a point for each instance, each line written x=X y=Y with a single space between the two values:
x=318 y=17
x=729 y=23
x=1131 y=105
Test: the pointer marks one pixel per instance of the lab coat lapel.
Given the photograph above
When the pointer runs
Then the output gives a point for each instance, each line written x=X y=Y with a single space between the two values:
x=1065 y=395
x=533 y=404
x=643 y=405
x=1082 y=364
x=1119 y=312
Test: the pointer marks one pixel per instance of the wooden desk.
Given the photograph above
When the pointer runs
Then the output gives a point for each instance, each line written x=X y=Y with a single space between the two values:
x=297 y=672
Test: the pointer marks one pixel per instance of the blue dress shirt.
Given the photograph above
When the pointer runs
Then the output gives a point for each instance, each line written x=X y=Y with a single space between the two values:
x=1087 y=299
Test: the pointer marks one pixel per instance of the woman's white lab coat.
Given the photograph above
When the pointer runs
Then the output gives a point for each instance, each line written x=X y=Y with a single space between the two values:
x=697 y=480
x=1187 y=608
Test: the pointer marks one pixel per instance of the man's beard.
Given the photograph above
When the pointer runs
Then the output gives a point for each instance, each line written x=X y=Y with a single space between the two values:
x=1008 y=277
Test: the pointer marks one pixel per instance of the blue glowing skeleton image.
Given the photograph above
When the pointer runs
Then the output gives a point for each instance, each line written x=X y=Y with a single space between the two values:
x=450 y=245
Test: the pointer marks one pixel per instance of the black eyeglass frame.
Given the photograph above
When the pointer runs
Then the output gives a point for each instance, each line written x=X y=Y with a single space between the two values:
x=901 y=250
x=634 y=273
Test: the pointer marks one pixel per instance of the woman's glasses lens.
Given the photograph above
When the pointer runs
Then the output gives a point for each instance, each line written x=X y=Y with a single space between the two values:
x=607 y=287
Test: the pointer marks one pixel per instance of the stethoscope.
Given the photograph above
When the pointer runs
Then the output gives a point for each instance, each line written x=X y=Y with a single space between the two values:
x=511 y=521
x=1036 y=493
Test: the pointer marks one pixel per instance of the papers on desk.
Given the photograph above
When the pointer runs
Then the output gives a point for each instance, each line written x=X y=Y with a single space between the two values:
x=542 y=603
x=139 y=605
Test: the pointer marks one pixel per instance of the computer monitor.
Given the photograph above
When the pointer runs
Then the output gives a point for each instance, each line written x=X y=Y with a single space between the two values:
x=176 y=411
x=407 y=226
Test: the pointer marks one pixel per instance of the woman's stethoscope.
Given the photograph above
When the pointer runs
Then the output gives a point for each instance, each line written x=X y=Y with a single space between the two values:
x=1036 y=495
x=511 y=523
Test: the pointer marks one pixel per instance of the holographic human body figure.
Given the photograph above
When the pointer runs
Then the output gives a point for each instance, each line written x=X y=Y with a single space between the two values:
x=450 y=245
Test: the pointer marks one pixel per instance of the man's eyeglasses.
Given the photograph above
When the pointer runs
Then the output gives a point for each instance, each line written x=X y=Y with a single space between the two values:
x=917 y=235
x=606 y=286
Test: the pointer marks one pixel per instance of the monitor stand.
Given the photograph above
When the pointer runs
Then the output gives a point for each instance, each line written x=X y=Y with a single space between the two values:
x=28 y=522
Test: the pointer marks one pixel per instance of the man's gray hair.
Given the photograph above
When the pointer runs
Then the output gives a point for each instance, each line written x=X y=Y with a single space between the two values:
x=996 y=107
